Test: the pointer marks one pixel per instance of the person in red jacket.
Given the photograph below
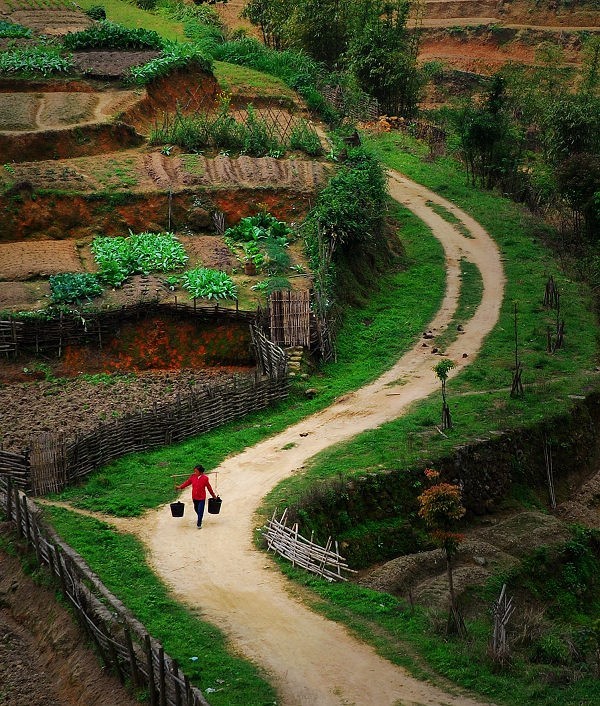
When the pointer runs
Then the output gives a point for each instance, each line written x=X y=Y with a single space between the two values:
x=200 y=483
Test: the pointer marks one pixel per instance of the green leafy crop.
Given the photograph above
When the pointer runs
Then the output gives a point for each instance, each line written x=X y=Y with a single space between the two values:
x=74 y=286
x=118 y=258
x=204 y=283
x=109 y=35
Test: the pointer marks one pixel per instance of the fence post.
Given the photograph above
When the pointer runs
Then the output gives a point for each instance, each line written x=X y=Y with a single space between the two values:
x=151 y=684
x=112 y=651
x=9 y=499
x=27 y=525
x=18 y=513
x=135 y=680
x=161 y=676
x=175 y=671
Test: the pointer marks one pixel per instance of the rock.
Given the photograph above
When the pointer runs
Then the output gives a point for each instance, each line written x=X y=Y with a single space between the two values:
x=310 y=392
x=480 y=560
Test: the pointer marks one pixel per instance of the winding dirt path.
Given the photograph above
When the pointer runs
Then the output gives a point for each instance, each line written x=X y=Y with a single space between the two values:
x=309 y=659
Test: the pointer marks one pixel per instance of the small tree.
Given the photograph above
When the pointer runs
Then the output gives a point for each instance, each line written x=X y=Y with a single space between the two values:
x=441 y=370
x=441 y=507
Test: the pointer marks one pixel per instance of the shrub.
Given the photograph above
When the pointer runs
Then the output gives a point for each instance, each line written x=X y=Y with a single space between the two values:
x=205 y=283
x=96 y=12
x=304 y=137
x=110 y=35
x=74 y=286
x=258 y=138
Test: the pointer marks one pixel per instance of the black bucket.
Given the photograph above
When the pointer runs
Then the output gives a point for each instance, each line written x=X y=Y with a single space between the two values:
x=214 y=505
x=177 y=509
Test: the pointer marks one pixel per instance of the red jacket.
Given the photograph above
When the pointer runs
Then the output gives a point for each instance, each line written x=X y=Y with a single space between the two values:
x=199 y=485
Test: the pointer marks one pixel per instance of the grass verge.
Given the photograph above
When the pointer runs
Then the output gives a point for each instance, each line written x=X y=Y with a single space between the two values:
x=199 y=647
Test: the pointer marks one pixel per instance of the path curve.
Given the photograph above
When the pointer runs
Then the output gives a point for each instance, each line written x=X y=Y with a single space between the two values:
x=311 y=660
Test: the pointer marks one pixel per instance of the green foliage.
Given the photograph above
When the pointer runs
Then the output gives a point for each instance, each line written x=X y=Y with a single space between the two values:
x=205 y=283
x=74 y=287
x=304 y=137
x=259 y=227
x=29 y=62
x=382 y=55
x=12 y=30
x=174 y=56
x=96 y=12
x=109 y=35
x=272 y=284
x=351 y=208
x=571 y=125
x=320 y=28
x=221 y=131
x=118 y=257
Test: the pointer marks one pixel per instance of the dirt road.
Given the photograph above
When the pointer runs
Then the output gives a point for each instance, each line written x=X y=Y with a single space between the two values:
x=312 y=660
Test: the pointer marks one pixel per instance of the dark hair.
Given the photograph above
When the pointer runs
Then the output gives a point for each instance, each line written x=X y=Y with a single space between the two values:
x=199 y=467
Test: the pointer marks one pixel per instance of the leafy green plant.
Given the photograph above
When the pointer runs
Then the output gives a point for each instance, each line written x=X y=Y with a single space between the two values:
x=119 y=257
x=272 y=284
x=12 y=30
x=259 y=227
x=205 y=283
x=40 y=60
x=174 y=56
x=304 y=137
x=110 y=35
x=74 y=286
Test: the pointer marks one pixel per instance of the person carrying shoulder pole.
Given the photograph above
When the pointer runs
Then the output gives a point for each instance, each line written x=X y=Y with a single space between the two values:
x=200 y=484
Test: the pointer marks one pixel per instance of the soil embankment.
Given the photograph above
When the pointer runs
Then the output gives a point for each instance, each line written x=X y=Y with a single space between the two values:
x=44 y=658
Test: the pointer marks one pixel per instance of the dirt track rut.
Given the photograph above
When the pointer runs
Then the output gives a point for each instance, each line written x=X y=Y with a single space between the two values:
x=309 y=659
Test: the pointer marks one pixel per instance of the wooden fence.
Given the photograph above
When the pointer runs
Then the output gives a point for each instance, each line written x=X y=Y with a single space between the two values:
x=54 y=462
x=16 y=466
x=290 y=544
x=9 y=337
x=289 y=318
x=123 y=642
x=50 y=336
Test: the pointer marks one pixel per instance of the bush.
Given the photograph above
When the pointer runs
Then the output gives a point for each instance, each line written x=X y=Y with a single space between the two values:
x=74 y=287
x=109 y=35
x=304 y=137
x=96 y=12
x=204 y=283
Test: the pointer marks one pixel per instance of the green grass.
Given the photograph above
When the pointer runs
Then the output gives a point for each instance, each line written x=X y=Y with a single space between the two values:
x=241 y=80
x=128 y=15
x=469 y=298
x=200 y=648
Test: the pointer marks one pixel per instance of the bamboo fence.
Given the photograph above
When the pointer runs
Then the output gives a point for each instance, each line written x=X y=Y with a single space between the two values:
x=289 y=318
x=53 y=462
x=16 y=466
x=50 y=336
x=9 y=337
x=124 y=645
x=290 y=544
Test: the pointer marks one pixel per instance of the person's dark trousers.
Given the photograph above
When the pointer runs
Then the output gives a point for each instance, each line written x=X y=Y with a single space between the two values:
x=199 y=508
